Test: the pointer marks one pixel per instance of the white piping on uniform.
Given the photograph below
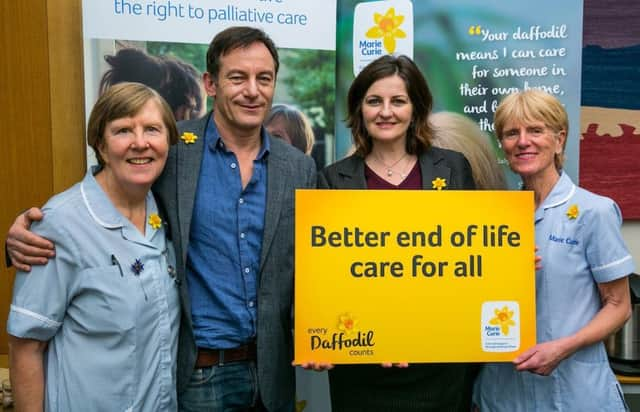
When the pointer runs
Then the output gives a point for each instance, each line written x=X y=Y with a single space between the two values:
x=34 y=315
x=93 y=215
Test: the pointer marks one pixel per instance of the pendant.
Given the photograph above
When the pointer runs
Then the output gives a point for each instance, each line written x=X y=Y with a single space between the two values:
x=389 y=172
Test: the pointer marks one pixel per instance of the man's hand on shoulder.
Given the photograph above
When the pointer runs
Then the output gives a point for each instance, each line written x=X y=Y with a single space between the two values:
x=25 y=248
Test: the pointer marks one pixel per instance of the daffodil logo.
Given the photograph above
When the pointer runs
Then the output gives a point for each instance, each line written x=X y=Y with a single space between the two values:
x=188 y=137
x=503 y=318
x=573 y=212
x=387 y=27
x=439 y=183
x=155 y=221
x=500 y=326
x=300 y=405
x=347 y=323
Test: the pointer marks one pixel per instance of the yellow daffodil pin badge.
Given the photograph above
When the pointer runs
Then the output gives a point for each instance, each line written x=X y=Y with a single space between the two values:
x=388 y=28
x=188 y=137
x=347 y=323
x=503 y=319
x=155 y=221
x=300 y=405
x=573 y=212
x=439 y=183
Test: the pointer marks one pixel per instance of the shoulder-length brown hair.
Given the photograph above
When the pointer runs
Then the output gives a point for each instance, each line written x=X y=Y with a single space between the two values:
x=419 y=132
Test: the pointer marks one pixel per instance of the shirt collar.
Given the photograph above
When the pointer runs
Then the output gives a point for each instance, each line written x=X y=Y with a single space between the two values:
x=105 y=213
x=214 y=141
x=561 y=192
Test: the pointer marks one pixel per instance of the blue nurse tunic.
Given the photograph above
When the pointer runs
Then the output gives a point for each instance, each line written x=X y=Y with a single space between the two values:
x=579 y=240
x=107 y=304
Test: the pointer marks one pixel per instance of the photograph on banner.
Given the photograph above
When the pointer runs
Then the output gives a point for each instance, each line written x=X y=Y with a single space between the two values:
x=472 y=54
x=610 y=117
x=374 y=284
x=145 y=41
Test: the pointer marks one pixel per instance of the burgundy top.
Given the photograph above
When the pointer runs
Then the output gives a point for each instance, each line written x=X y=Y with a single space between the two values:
x=413 y=181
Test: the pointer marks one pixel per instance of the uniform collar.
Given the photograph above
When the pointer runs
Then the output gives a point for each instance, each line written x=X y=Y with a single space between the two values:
x=562 y=191
x=106 y=215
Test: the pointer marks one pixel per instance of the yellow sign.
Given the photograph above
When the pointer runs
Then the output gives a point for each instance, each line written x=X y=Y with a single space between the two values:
x=413 y=276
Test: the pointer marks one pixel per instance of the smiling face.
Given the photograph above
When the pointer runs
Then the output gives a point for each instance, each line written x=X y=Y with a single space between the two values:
x=531 y=148
x=135 y=149
x=243 y=88
x=387 y=110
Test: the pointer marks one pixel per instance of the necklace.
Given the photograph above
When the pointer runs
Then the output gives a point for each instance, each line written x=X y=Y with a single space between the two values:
x=389 y=168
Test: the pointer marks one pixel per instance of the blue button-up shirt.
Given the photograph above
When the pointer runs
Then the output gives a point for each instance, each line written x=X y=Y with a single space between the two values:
x=578 y=252
x=112 y=329
x=225 y=242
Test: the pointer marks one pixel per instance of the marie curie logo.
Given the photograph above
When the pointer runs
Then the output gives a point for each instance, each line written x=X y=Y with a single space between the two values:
x=500 y=326
x=379 y=28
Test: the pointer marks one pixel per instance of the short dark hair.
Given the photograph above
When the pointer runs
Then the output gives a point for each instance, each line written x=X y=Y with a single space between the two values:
x=125 y=100
x=234 y=38
x=183 y=84
x=419 y=133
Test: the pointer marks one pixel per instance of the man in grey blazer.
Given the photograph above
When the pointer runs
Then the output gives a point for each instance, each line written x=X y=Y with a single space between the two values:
x=227 y=192
x=240 y=183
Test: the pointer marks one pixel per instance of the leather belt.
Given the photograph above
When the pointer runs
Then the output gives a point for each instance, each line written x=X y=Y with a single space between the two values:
x=214 y=357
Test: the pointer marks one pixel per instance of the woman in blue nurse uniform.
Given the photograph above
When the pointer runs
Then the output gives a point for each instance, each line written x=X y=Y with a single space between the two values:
x=582 y=291
x=95 y=329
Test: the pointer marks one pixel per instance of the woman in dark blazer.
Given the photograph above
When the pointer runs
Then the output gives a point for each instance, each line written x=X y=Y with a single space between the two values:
x=389 y=104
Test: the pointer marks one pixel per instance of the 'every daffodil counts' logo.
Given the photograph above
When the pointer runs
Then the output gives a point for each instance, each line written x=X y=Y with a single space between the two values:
x=387 y=28
x=347 y=337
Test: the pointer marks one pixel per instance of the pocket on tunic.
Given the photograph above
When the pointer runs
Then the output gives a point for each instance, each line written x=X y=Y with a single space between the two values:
x=596 y=378
x=97 y=343
x=619 y=395
x=105 y=302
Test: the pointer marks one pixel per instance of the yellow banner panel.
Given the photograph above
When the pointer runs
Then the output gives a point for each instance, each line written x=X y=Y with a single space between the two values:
x=413 y=276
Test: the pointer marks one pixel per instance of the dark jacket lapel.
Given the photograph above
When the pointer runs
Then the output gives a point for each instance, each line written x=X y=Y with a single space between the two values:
x=351 y=173
x=432 y=166
x=188 y=171
x=278 y=172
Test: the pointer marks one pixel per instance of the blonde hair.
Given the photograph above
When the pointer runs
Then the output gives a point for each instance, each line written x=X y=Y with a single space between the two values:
x=457 y=132
x=530 y=106
x=297 y=124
